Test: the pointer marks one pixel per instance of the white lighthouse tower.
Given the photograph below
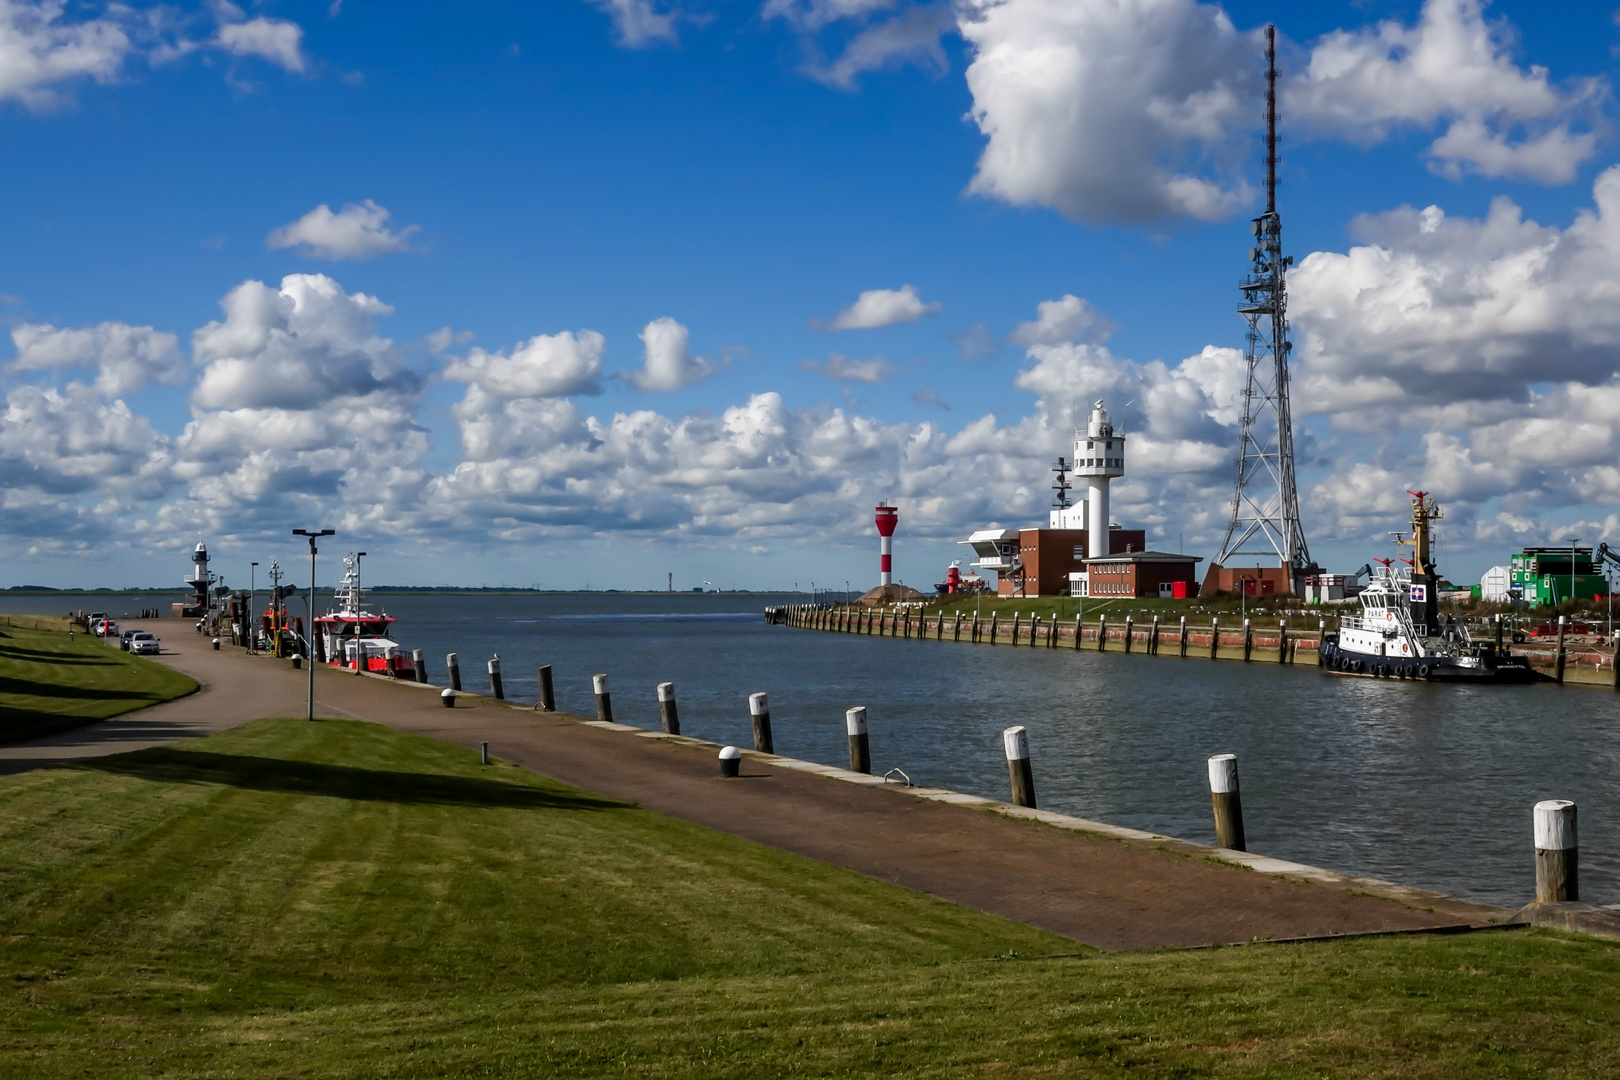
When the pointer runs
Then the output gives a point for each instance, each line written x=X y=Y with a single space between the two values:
x=1099 y=457
x=200 y=579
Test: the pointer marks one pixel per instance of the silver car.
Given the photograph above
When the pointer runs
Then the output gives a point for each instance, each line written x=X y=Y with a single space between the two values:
x=142 y=643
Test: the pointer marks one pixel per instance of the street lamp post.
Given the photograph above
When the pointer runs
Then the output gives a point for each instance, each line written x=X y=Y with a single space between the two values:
x=309 y=653
x=253 y=620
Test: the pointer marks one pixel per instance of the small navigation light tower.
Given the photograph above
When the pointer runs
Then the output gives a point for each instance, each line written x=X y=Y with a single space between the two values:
x=887 y=518
x=200 y=579
x=1099 y=457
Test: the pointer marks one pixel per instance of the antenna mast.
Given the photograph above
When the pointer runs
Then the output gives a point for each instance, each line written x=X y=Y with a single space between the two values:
x=1265 y=504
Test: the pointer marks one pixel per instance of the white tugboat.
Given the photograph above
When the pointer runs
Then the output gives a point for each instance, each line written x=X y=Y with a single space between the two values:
x=351 y=637
x=1401 y=634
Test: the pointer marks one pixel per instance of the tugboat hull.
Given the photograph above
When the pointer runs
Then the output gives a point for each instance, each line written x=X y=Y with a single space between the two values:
x=1482 y=669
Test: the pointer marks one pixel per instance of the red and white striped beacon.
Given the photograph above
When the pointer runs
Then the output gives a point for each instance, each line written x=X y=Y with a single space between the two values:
x=887 y=518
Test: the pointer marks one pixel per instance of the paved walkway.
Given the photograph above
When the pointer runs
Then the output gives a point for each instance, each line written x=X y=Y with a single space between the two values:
x=1109 y=892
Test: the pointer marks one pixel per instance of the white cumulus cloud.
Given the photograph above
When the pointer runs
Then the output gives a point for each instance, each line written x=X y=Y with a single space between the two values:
x=358 y=231
x=640 y=23
x=276 y=40
x=41 y=49
x=125 y=357
x=1068 y=318
x=547 y=365
x=1453 y=67
x=668 y=363
x=883 y=307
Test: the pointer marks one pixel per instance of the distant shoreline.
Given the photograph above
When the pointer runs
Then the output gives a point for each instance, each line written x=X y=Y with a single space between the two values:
x=40 y=590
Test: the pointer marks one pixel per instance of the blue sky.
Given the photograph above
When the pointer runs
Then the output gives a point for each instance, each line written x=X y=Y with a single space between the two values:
x=724 y=179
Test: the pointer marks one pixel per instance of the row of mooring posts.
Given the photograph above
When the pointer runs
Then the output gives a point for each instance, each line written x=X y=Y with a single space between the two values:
x=1557 y=851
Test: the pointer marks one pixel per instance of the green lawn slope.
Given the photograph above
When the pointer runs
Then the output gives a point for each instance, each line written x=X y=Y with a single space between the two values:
x=341 y=900
x=50 y=681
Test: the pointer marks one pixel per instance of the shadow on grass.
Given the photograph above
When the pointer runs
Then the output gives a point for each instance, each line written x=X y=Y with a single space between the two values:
x=171 y=766
x=30 y=688
x=13 y=652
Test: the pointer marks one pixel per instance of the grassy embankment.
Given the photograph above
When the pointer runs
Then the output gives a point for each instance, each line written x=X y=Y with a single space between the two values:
x=50 y=682
x=338 y=899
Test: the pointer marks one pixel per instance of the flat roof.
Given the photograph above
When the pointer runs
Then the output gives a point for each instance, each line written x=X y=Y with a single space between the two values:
x=1146 y=556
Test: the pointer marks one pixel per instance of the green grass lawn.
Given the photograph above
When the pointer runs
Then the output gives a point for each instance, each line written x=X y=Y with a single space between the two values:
x=50 y=682
x=341 y=900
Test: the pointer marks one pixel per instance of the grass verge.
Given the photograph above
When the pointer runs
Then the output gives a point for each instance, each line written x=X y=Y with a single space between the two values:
x=50 y=681
x=342 y=900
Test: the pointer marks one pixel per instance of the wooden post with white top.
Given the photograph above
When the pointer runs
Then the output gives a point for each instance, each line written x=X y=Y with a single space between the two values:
x=604 y=701
x=1130 y=631
x=1077 y=633
x=1182 y=640
x=1153 y=638
x=668 y=716
x=496 y=688
x=1557 y=852
x=1019 y=773
x=1248 y=640
x=1214 y=637
x=1102 y=633
x=452 y=667
x=860 y=750
x=419 y=665
x=1282 y=641
x=759 y=712
x=1226 y=802
x=548 y=695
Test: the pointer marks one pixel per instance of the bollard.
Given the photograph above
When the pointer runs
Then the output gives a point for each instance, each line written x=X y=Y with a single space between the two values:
x=548 y=699
x=666 y=709
x=1214 y=637
x=1130 y=631
x=860 y=749
x=298 y=661
x=1019 y=773
x=995 y=617
x=419 y=665
x=216 y=644
x=1499 y=633
x=1282 y=641
x=1559 y=677
x=1102 y=633
x=1153 y=638
x=759 y=711
x=956 y=628
x=496 y=687
x=483 y=753
x=730 y=762
x=1182 y=639
x=1077 y=634
x=1228 y=805
x=1557 y=852
x=1248 y=640
x=452 y=667
x=448 y=698
x=604 y=703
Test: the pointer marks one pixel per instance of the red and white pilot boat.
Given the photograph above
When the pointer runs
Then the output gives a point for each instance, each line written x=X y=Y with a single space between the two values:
x=351 y=637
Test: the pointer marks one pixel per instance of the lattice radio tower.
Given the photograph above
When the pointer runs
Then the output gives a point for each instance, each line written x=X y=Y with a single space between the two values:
x=1265 y=506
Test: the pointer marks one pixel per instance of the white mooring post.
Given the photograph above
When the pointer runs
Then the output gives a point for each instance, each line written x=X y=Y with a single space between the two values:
x=860 y=749
x=1557 y=852
x=1227 y=803
x=666 y=709
x=1019 y=773
x=1182 y=637
x=419 y=666
x=496 y=687
x=730 y=761
x=448 y=698
x=452 y=667
x=604 y=701
x=759 y=711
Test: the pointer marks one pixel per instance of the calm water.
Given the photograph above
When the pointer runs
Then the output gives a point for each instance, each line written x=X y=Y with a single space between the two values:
x=1427 y=785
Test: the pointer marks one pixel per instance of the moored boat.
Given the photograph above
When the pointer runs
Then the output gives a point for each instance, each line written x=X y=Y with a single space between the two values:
x=1400 y=633
x=351 y=637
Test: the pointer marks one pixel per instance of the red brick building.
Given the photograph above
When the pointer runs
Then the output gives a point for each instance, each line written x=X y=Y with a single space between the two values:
x=1048 y=556
x=1143 y=573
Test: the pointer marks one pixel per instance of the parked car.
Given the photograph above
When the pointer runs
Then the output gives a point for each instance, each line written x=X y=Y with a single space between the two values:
x=143 y=643
x=106 y=628
x=123 y=639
